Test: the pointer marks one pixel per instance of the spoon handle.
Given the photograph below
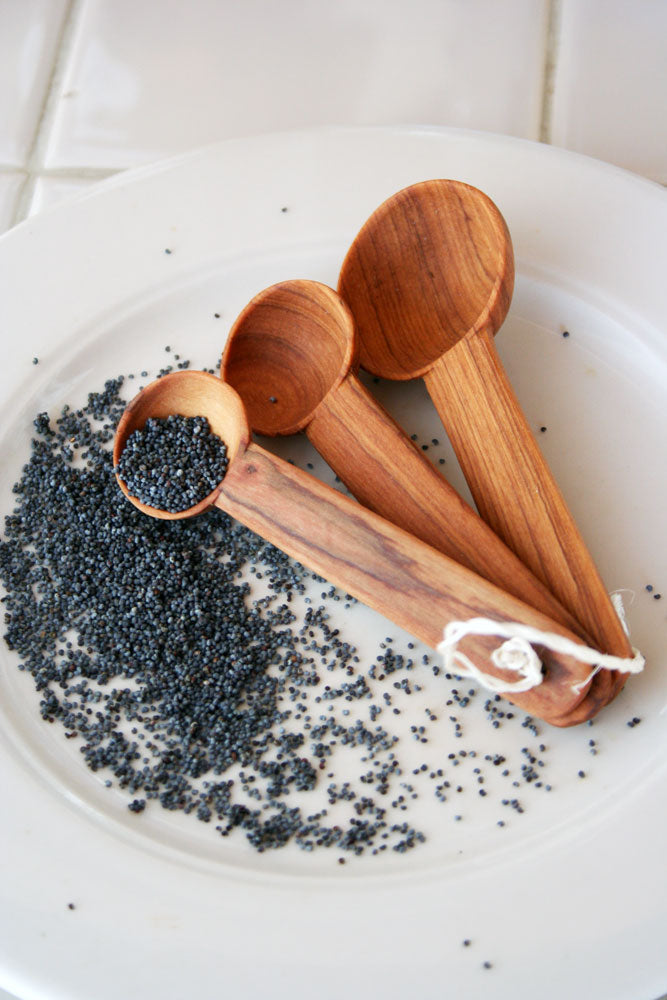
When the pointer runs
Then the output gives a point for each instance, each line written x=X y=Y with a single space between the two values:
x=409 y=582
x=513 y=487
x=386 y=471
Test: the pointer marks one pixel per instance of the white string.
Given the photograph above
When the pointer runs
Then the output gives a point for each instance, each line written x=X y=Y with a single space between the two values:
x=518 y=655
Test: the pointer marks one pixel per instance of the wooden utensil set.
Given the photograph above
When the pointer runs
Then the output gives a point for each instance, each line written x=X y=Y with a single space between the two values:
x=509 y=595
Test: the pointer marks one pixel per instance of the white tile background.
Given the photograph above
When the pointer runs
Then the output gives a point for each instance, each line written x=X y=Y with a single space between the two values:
x=91 y=87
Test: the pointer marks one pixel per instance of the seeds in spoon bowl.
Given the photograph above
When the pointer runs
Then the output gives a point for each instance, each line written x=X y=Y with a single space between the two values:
x=173 y=462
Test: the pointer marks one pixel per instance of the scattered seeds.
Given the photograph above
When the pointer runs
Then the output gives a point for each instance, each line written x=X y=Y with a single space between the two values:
x=195 y=667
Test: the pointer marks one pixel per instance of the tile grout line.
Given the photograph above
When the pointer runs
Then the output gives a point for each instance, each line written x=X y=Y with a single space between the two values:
x=34 y=161
x=551 y=53
x=63 y=173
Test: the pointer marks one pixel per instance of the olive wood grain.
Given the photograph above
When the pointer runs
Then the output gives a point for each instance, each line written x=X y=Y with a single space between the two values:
x=429 y=280
x=382 y=565
x=292 y=357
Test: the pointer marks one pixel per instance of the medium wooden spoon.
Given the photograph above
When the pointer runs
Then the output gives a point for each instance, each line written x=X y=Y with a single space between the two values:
x=429 y=280
x=292 y=357
x=406 y=580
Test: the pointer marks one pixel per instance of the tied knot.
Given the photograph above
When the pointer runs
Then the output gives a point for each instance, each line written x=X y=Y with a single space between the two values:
x=515 y=654
x=518 y=656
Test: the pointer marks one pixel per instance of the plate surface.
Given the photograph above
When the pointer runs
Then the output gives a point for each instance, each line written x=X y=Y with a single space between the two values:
x=566 y=897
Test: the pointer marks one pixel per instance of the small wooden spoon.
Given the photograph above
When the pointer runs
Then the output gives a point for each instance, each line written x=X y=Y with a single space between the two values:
x=292 y=356
x=404 y=579
x=429 y=280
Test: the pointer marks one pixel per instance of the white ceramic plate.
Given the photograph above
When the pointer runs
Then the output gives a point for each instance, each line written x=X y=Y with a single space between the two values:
x=568 y=898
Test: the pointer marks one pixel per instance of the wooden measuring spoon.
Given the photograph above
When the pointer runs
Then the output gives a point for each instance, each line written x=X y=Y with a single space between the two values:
x=406 y=580
x=292 y=357
x=429 y=280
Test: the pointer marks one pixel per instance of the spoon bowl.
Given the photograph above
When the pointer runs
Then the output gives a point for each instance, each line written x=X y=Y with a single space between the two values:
x=196 y=394
x=432 y=265
x=292 y=345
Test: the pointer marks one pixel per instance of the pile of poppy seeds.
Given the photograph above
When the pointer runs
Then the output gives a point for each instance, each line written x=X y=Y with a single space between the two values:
x=193 y=668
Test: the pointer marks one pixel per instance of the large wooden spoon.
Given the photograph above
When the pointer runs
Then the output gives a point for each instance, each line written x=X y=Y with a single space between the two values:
x=429 y=280
x=292 y=357
x=406 y=580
